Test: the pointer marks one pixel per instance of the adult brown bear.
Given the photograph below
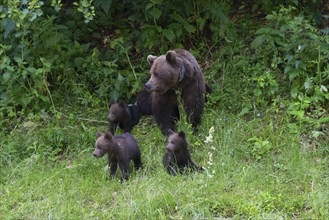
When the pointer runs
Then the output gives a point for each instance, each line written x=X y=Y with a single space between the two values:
x=177 y=70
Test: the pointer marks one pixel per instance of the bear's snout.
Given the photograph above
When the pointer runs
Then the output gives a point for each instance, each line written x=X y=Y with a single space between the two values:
x=148 y=85
x=170 y=147
x=97 y=154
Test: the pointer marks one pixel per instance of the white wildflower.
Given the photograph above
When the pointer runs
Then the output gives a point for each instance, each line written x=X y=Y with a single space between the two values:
x=209 y=138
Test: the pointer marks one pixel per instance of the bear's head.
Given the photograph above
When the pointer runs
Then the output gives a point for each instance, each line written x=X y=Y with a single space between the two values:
x=104 y=144
x=163 y=72
x=176 y=141
x=117 y=112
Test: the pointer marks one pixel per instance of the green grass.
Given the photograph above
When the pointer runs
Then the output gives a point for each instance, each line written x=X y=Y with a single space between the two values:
x=283 y=178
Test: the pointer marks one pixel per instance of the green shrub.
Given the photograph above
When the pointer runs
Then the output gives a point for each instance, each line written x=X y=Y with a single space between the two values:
x=295 y=54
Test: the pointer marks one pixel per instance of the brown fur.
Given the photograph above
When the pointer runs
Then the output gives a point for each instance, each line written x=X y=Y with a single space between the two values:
x=177 y=70
x=120 y=149
x=177 y=156
x=122 y=115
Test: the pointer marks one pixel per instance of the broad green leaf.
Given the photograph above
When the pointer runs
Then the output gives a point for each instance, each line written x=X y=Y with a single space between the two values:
x=286 y=69
x=258 y=41
x=293 y=74
x=6 y=76
x=149 y=5
x=155 y=13
x=299 y=114
x=177 y=17
x=244 y=111
x=189 y=28
x=264 y=30
x=297 y=63
x=44 y=98
x=105 y=5
x=289 y=58
x=323 y=120
x=257 y=92
x=276 y=32
x=31 y=69
x=270 y=17
x=176 y=28
x=200 y=23
x=8 y=25
x=325 y=31
x=294 y=92
x=278 y=40
x=169 y=35
x=79 y=61
x=308 y=84
x=120 y=77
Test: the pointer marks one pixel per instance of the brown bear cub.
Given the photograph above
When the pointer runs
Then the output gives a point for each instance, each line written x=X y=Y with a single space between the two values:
x=177 y=154
x=120 y=149
x=122 y=115
x=176 y=70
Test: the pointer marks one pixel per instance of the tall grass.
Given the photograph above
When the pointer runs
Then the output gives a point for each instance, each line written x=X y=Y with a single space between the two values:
x=242 y=180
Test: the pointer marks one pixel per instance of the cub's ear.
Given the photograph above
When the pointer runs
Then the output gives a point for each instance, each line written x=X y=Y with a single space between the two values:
x=170 y=132
x=122 y=104
x=108 y=136
x=171 y=57
x=111 y=102
x=98 y=133
x=182 y=134
x=150 y=59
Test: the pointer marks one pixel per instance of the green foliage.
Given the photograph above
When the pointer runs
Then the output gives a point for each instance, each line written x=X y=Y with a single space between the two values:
x=85 y=7
x=49 y=56
x=296 y=54
x=61 y=62
x=258 y=148
x=163 y=23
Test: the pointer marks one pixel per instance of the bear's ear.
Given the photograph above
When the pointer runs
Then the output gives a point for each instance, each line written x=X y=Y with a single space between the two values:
x=111 y=102
x=150 y=59
x=171 y=57
x=108 y=136
x=170 y=132
x=182 y=134
x=122 y=104
x=98 y=134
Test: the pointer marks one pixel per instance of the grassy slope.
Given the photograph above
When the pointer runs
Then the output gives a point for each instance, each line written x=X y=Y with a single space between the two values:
x=283 y=179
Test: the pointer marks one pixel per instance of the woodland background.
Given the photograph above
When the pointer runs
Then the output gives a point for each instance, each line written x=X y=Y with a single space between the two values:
x=263 y=139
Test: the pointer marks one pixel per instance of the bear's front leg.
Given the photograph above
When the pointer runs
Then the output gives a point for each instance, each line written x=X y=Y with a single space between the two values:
x=167 y=163
x=138 y=163
x=124 y=165
x=193 y=105
x=113 y=166
x=165 y=110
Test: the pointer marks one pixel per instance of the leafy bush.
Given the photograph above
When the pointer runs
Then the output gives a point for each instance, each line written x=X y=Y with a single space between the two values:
x=48 y=57
x=54 y=46
x=295 y=54
x=169 y=23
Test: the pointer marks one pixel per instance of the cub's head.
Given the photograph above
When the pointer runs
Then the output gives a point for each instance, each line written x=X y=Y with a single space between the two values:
x=103 y=144
x=163 y=72
x=117 y=112
x=176 y=141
